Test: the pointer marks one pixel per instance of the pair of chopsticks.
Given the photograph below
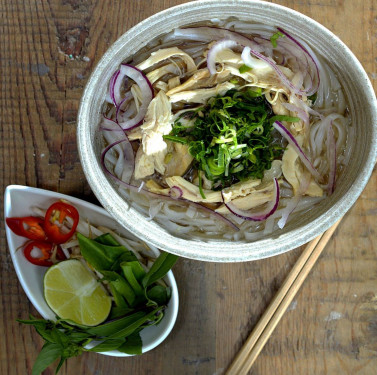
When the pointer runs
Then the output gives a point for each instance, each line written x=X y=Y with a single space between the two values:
x=271 y=317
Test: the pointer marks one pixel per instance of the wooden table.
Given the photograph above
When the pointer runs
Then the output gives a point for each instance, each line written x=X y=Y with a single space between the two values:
x=48 y=50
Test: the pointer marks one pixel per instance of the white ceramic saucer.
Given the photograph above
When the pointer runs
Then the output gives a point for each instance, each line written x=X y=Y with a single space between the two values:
x=18 y=202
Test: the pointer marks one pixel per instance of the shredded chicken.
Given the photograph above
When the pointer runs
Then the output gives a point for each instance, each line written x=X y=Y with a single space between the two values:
x=158 y=73
x=201 y=95
x=253 y=199
x=293 y=172
x=150 y=156
x=166 y=53
x=177 y=160
x=192 y=193
x=201 y=79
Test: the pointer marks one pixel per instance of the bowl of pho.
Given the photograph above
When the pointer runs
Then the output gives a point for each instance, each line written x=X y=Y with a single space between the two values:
x=227 y=131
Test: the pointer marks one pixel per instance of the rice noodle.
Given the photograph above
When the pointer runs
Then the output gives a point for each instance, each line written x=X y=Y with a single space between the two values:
x=324 y=124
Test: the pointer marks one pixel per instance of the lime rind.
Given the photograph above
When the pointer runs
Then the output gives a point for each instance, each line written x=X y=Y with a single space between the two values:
x=72 y=292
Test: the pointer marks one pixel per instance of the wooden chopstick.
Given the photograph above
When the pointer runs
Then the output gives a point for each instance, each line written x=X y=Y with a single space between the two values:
x=271 y=317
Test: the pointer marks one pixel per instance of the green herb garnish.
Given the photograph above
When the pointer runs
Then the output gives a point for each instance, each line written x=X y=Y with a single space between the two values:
x=283 y=118
x=201 y=186
x=275 y=37
x=313 y=97
x=244 y=68
x=230 y=137
x=139 y=296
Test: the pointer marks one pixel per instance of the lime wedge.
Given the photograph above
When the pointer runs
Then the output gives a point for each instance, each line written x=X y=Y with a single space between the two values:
x=72 y=292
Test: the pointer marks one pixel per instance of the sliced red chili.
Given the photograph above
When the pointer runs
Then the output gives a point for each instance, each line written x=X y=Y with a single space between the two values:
x=30 y=227
x=40 y=252
x=56 y=222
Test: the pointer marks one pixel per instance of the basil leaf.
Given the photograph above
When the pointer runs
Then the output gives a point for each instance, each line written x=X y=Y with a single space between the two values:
x=49 y=353
x=126 y=331
x=159 y=295
x=33 y=321
x=43 y=327
x=110 y=328
x=121 y=286
x=130 y=277
x=100 y=256
x=159 y=268
x=44 y=333
x=69 y=324
x=119 y=311
x=127 y=256
x=133 y=345
x=118 y=298
x=137 y=269
x=73 y=349
x=108 y=345
x=107 y=239
x=78 y=336
x=59 y=337
x=61 y=362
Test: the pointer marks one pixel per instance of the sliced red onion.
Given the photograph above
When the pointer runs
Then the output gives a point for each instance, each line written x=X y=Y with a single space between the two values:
x=110 y=125
x=301 y=104
x=147 y=94
x=331 y=155
x=313 y=58
x=300 y=112
x=124 y=101
x=292 y=141
x=246 y=58
x=297 y=57
x=128 y=155
x=218 y=216
x=306 y=62
x=281 y=75
x=267 y=61
x=215 y=49
x=256 y=216
x=114 y=88
x=112 y=175
x=205 y=33
x=176 y=192
x=303 y=65
x=209 y=34
x=137 y=189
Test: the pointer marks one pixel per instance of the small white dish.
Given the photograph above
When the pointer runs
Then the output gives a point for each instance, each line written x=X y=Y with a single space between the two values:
x=18 y=202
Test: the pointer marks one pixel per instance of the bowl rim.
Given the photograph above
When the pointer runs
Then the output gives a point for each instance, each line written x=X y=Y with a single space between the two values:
x=208 y=250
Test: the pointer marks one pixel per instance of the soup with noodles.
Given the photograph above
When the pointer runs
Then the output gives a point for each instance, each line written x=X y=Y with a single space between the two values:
x=225 y=131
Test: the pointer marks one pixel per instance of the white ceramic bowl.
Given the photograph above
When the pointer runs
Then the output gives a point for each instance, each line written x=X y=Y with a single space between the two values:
x=359 y=94
x=18 y=201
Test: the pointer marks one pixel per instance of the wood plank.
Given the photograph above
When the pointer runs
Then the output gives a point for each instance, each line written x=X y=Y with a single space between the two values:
x=47 y=51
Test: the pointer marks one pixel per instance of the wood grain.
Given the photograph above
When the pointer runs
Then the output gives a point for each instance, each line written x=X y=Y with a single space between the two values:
x=47 y=50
